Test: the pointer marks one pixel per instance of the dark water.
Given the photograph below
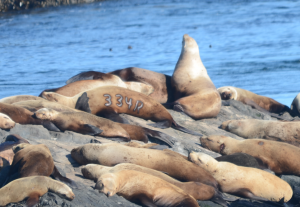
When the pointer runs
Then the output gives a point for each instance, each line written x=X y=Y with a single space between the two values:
x=255 y=45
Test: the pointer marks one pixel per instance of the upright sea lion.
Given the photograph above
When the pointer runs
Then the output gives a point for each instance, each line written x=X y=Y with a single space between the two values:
x=195 y=93
x=32 y=188
x=248 y=182
x=198 y=190
x=267 y=129
x=112 y=99
x=90 y=124
x=143 y=188
x=295 y=107
x=279 y=157
x=35 y=160
x=15 y=99
x=112 y=153
x=160 y=82
x=6 y=122
x=252 y=99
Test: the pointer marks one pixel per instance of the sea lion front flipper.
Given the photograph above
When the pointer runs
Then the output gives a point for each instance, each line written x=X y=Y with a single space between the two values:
x=57 y=176
x=50 y=126
x=160 y=136
x=248 y=194
x=16 y=138
x=219 y=199
x=183 y=129
x=89 y=129
x=113 y=116
x=33 y=199
x=83 y=103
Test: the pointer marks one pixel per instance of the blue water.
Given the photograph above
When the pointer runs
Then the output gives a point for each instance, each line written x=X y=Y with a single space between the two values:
x=253 y=45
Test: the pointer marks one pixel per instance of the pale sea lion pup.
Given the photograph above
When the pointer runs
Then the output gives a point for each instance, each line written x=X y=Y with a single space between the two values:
x=252 y=99
x=15 y=99
x=279 y=157
x=295 y=107
x=244 y=181
x=267 y=129
x=195 y=92
x=199 y=191
x=144 y=188
x=32 y=188
x=6 y=122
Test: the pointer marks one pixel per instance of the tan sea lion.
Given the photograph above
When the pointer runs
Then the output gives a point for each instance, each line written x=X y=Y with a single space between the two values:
x=195 y=93
x=279 y=157
x=160 y=82
x=143 y=188
x=198 y=190
x=112 y=153
x=116 y=100
x=32 y=188
x=90 y=124
x=248 y=182
x=6 y=122
x=252 y=99
x=295 y=107
x=15 y=99
x=35 y=160
x=267 y=129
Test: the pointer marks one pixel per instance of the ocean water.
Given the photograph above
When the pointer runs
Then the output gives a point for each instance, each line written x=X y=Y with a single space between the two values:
x=253 y=45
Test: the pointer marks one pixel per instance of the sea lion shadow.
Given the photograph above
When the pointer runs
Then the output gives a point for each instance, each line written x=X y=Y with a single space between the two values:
x=72 y=161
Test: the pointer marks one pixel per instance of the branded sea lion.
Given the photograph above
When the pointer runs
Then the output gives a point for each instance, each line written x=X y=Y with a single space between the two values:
x=111 y=154
x=90 y=124
x=195 y=93
x=267 y=129
x=241 y=159
x=6 y=152
x=279 y=157
x=143 y=188
x=160 y=82
x=198 y=190
x=32 y=188
x=15 y=99
x=23 y=116
x=248 y=182
x=259 y=102
x=35 y=160
x=6 y=122
x=74 y=88
x=295 y=106
x=116 y=100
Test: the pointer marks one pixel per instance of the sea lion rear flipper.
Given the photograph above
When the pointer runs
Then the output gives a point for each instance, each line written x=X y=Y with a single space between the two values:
x=219 y=199
x=16 y=138
x=89 y=129
x=89 y=75
x=113 y=116
x=33 y=199
x=161 y=125
x=248 y=194
x=161 y=136
x=57 y=176
x=183 y=129
x=50 y=126
x=83 y=103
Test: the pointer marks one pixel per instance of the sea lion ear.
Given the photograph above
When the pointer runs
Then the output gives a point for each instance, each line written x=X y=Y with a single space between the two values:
x=33 y=200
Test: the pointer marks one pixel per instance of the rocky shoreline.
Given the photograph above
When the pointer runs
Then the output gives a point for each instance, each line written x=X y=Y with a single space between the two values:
x=60 y=145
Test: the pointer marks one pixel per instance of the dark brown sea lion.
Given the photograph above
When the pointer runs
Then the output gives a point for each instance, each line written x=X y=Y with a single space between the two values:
x=241 y=159
x=195 y=93
x=32 y=188
x=15 y=99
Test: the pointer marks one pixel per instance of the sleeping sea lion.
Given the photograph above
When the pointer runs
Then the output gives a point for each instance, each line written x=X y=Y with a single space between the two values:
x=279 y=157
x=15 y=99
x=241 y=159
x=199 y=191
x=143 y=188
x=195 y=93
x=116 y=100
x=32 y=188
x=267 y=129
x=247 y=182
x=6 y=122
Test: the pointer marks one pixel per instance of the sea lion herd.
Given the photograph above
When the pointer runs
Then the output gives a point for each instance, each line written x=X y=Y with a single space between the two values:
x=150 y=174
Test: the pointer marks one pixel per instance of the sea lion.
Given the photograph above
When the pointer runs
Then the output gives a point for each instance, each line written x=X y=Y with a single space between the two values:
x=90 y=124
x=35 y=160
x=23 y=116
x=199 y=191
x=15 y=99
x=32 y=188
x=6 y=152
x=160 y=82
x=295 y=106
x=174 y=165
x=282 y=158
x=74 y=88
x=241 y=159
x=259 y=102
x=6 y=122
x=93 y=75
x=267 y=129
x=116 y=100
x=195 y=93
x=247 y=182
x=143 y=188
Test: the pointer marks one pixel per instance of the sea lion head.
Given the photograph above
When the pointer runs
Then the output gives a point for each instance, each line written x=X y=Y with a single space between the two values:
x=51 y=96
x=64 y=191
x=201 y=159
x=227 y=92
x=46 y=114
x=216 y=143
x=93 y=171
x=19 y=147
x=107 y=184
x=189 y=44
x=6 y=122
